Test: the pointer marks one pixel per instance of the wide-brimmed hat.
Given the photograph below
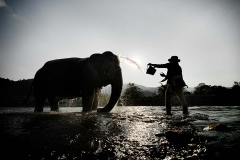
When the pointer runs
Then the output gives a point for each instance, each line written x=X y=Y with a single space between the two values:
x=174 y=59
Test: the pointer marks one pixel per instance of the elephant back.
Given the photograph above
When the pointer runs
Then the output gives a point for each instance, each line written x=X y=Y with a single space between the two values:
x=56 y=73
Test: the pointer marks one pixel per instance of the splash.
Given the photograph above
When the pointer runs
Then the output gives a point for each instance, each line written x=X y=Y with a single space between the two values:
x=131 y=62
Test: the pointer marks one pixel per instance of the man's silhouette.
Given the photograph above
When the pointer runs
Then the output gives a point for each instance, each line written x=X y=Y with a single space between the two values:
x=175 y=83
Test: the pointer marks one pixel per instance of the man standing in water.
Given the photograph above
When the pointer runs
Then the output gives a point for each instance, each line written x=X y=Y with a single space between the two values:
x=175 y=83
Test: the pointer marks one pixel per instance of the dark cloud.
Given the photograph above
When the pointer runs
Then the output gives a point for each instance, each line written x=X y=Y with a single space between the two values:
x=6 y=21
x=2 y=3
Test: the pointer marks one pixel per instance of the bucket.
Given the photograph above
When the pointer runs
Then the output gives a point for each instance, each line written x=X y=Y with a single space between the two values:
x=150 y=70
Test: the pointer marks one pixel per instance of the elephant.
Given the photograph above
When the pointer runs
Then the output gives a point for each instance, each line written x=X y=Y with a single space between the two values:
x=78 y=77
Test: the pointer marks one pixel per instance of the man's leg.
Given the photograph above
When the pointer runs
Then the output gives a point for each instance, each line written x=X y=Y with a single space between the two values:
x=168 y=97
x=180 y=95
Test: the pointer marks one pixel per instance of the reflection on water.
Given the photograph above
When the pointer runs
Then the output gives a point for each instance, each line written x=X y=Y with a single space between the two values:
x=124 y=133
x=46 y=109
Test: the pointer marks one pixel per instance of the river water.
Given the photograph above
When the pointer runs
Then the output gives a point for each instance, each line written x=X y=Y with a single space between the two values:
x=125 y=133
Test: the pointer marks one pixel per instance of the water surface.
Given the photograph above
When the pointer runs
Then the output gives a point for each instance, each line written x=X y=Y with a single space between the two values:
x=125 y=133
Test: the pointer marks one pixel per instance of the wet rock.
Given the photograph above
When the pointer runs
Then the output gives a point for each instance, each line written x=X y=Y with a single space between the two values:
x=217 y=127
x=192 y=146
x=178 y=136
x=160 y=134
x=148 y=120
x=199 y=116
x=207 y=136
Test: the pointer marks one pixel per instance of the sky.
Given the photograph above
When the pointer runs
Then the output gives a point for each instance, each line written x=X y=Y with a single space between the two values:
x=204 y=34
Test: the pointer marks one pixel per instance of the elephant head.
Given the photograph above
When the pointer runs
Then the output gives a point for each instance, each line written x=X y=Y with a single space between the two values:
x=107 y=66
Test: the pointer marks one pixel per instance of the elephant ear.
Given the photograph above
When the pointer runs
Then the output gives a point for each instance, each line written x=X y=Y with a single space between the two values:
x=95 y=56
x=96 y=59
x=108 y=53
x=110 y=57
x=105 y=60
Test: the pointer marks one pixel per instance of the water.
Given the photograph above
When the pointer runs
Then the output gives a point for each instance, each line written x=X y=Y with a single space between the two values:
x=131 y=62
x=124 y=133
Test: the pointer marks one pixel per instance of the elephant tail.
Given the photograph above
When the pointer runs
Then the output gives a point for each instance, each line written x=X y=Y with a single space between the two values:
x=29 y=93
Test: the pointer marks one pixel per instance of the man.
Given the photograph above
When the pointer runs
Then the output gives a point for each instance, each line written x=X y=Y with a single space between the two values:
x=175 y=83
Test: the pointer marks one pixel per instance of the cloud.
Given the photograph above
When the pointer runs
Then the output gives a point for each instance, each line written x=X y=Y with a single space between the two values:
x=6 y=10
x=3 y=4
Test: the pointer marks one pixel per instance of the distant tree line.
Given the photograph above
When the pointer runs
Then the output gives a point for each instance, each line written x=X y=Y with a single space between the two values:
x=13 y=93
x=202 y=95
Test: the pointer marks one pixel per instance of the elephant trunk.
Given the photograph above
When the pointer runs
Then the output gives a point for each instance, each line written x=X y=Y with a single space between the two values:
x=116 y=93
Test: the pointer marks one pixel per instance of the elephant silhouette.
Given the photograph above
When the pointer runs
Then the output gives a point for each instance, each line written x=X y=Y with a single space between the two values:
x=78 y=77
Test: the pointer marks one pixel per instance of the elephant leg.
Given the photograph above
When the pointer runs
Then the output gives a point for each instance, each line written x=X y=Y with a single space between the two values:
x=96 y=99
x=40 y=98
x=87 y=102
x=53 y=104
x=39 y=104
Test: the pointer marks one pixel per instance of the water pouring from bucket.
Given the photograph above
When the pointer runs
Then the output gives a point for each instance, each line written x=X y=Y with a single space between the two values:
x=131 y=62
x=150 y=69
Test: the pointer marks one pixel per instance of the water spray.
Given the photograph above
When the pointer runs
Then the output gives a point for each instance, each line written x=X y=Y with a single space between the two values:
x=132 y=62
